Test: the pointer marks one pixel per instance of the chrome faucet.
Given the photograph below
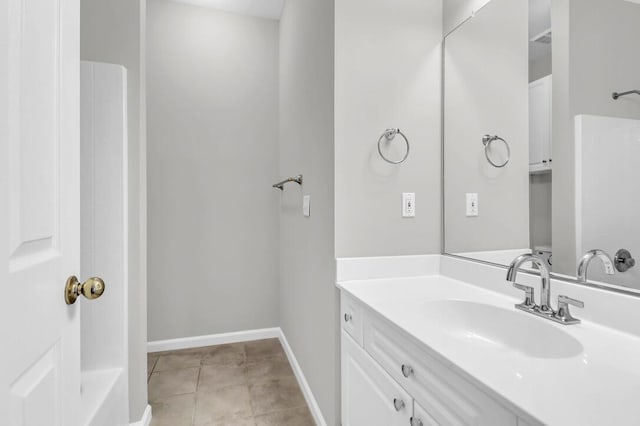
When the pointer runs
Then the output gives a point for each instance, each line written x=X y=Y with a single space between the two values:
x=562 y=315
x=545 y=297
x=583 y=266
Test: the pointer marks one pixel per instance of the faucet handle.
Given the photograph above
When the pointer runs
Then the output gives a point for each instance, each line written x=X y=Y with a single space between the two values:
x=563 y=314
x=528 y=299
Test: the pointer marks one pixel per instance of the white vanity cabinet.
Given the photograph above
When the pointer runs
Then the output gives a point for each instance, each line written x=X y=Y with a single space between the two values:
x=540 y=158
x=389 y=379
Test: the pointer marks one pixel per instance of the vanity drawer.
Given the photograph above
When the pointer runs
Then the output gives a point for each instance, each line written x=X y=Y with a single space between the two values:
x=351 y=317
x=421 y=417
x=446 y=397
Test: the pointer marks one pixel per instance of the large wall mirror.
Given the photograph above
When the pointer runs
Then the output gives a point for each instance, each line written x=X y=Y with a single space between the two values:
x=539 y=156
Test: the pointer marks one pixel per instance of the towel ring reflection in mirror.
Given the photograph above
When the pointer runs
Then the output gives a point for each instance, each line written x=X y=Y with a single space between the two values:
x=486 y=141
x=389 y=135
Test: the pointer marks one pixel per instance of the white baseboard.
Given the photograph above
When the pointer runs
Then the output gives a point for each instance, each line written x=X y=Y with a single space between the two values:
x=241 y=336
x=146 y=418
x=302 y=381
x=213 y=339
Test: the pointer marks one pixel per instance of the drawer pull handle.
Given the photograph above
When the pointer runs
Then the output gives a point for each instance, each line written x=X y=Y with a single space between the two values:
x=407 y=370
x=415 y=422
x=398 y=404
x=347 y=317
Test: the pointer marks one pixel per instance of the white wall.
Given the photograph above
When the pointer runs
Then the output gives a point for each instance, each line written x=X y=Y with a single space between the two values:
x=457 y=11
x=387 y=70
x=113 y=32
x=593 y=56
x=212 y=130
x=487 y=92
x=308 y=297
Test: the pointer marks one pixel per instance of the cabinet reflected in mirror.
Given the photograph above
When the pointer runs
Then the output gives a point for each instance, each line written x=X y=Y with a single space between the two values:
x=538 y=76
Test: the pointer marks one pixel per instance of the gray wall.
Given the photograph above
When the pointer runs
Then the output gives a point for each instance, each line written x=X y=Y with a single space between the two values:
x=113 y=32
x=388 y=68
x=540 y=210
x=541 y=67
x=308 y=297
x=212 y=130
x=485 y=59
x=591 y=59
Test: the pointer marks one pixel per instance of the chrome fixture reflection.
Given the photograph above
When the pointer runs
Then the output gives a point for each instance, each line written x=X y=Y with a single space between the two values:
x=414 y=421
x=407 y=370
x=562 y=315
x=583 y=266
x=389 y=135
x=398 y=404
x=623 y=260
x=486 y=141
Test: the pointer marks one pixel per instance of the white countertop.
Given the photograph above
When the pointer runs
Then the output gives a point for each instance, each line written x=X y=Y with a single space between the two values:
x=598 y=386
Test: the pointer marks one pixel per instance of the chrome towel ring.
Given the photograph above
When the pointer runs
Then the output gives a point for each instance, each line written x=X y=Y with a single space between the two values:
x=389 y=135
x=486 y=141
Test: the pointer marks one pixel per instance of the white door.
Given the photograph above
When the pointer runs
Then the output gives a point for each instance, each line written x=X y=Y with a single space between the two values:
x=369 y=396
x=39 y=211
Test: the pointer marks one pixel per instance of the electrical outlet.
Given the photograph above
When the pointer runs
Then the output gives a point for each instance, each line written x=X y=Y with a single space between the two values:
x=306 y=205
x=408 y=204
x=472 y=204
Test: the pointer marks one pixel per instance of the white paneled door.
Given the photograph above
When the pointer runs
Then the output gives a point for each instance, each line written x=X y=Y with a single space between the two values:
x=39 y=212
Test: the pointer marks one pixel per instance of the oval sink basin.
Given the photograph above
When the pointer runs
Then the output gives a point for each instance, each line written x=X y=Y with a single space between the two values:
x=502 y=329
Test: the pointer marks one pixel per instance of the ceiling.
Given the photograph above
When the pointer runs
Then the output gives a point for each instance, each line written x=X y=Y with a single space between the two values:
x=271 y=9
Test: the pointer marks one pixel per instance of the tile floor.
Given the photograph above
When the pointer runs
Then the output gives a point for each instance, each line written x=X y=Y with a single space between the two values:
x=241 y=384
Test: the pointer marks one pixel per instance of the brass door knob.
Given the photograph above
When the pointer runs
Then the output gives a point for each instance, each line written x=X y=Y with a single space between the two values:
x=91 y=289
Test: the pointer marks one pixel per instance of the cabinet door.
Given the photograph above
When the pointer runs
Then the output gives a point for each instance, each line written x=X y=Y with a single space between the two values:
x=540 y=121
x=369 y=396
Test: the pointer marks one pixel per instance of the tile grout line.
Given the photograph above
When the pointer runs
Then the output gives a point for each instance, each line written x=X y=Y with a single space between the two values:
x=246 y=372
x=195 y=396
x=153 y=367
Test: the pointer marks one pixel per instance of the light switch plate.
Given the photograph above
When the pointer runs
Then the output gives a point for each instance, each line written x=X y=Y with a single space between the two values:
x=306 y=205
x=472 y=204
x=408 y=204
